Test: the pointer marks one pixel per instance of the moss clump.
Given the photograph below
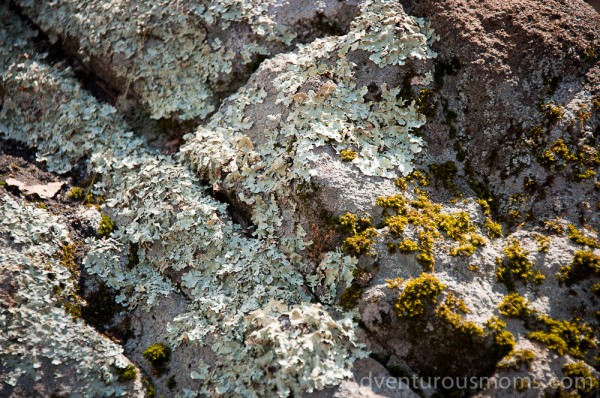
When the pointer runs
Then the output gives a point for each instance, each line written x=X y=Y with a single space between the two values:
x=552 y=113
x=157 y=356
x=425 y=102
x=76 y=193
x=350 y=297
x=128 y=373
x=504 y=341
x=555 y=227
x=348 y=155
x=450 y=311
x=516 y=359
x=558 y=155
x=564 y=337
x=79 y=194
x=514 y=306
x=430 y=223
x=516 y=266
x=445 y=173
x=361 y=234
x=493 y=229
x=543 y=243
x=106 y=227
x=407 y=246
x=485 y=206
x=401 y=183
x=418 y=293
x=578 y=237
x=585 y=265
x=419 y=176
x=585 y=382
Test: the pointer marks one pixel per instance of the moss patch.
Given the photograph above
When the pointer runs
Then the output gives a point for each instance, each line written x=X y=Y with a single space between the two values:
x=585 y=265
x=158 y=356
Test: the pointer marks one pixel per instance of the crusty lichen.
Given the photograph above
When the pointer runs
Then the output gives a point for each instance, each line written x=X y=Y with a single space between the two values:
x=162 y=208
x=38 y=336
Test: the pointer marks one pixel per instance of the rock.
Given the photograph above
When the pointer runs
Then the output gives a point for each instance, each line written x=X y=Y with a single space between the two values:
x=45 y=191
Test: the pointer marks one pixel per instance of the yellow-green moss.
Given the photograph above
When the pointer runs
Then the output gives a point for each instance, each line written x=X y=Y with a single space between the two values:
x=401 y=183
x=76 y=193
x=552 y=113
x=157 y=356
x=417 y=294
x=407 y=246
x=543 y=243
x=361 y=234
x=514 y=306
x=128 y=373
x=420 y=176
x=516 y=359
x=504 y=341
x=445 y=173
x=449 y=313
x=564 y=337
x=558 y=155
x=493 y=229
x=348 y=155
x=106 y=227
x=555 y=227
x=516 y=266
x=430 y=223
x=585 y=265
x=585 y=382
x=485 y=206
x=578 y=237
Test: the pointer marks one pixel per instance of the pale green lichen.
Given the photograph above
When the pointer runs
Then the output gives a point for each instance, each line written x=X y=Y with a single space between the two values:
x=168 y=54
x=162 y=209
x=39 y=339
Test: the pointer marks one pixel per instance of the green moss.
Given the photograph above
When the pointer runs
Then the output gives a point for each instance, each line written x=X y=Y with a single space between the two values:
x=128 y=373
x=514 y=306
x=106 y=227
x=449 y=313
x=552 y=113
x=463 y=250
x=485 y=206
x=516 y=266
x=578 y=237
x=430 y=224
x=76 y=193
x=564 y=337
x=420 y=176
x=543 y=243
x=349 y=299
x=360 y=232
x=493 y=229
x=348 y=155
x=150 y=389
x=417 y=294
x=425 y=102
x=401 y=183
x=585 y=265
x=407 y=246
x=157 y=356
x=558 y=155
x=555 y=227
x=101 y=307
x=445 y=173
x=516 y=359
x=504 y=341
x=585 y=382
